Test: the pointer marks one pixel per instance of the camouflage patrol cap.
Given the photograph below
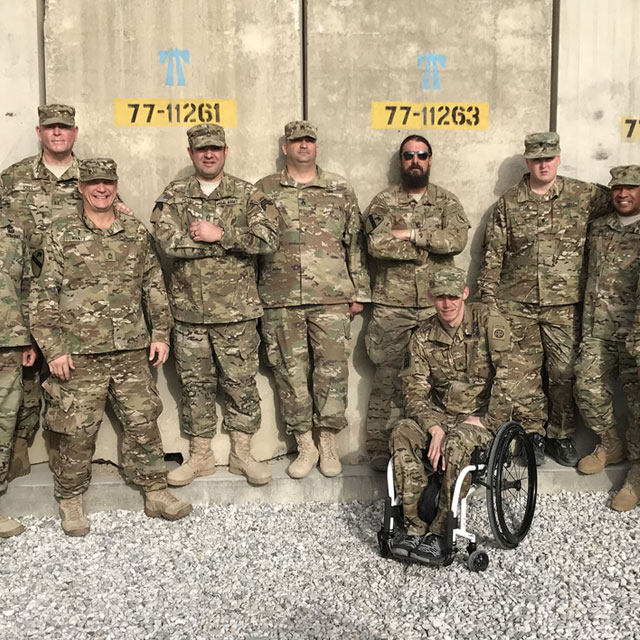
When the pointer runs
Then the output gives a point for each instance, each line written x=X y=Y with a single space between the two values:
x=542 y=145
x=627 y=175
x=97 y=169
x=299 y=129
x=206 y=135
x=57 y=114
x=448 y=281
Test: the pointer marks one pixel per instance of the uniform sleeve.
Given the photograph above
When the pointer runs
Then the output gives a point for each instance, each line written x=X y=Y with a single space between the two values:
x=633 y=338
x=45 y=301
x=171 y=232
x=501 y=349
x=600 y=199
x=25 y=284
x=446 y=232
x=154 y=297
x=354 y=244
x=495 y=245
x=381 y=242
x=261 y=234
x=416 y=388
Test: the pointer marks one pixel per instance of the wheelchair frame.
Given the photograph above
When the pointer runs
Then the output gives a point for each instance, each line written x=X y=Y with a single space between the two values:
x=507 y=471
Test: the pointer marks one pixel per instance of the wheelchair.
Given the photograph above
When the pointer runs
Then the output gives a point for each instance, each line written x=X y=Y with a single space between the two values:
x=507 y=470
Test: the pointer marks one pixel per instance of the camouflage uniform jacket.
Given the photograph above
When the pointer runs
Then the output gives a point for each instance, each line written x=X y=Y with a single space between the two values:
x=14 y=285
x=321 y=258
x=612 y=278
x=34 y=196
x=96 y=288
x=215 y=282
x=447 y=379
x=402 y=267
x=535 y=243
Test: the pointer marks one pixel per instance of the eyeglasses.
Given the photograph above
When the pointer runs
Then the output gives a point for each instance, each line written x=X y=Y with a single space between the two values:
x=422 y=155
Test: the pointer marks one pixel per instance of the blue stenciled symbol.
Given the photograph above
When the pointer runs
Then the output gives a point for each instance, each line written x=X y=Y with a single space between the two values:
x=430 y=62
x=175 y=57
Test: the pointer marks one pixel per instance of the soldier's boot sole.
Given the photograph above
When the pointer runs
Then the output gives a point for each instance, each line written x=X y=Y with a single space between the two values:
x=256 y=473
x=159 y=511
x=10 y=528
x=187 y=472
x=20 y=464
x=625 y=500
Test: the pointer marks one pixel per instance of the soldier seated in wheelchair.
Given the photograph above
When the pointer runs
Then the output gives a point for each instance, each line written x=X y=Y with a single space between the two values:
x=456 y=396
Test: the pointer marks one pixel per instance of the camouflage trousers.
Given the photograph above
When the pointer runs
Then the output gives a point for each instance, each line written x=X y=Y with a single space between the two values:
x=10 y=398
x=544 y=337
x=309 y=345
x=386 y=341
x=408 y=442
x=600 y=364
x=74 y=409
x=208 y=355
x=29 y=414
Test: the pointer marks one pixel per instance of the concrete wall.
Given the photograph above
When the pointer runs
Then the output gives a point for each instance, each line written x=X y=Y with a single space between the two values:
x=598 y=86
x=487 y=53
x=19 y=80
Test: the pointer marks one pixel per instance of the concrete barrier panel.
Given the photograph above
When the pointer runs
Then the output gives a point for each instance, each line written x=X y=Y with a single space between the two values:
x=19 y=80
x=176 y=64
x=598 y=86
x=489 y=60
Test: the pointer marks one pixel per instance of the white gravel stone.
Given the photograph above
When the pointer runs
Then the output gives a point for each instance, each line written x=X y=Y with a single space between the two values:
x=313 y=571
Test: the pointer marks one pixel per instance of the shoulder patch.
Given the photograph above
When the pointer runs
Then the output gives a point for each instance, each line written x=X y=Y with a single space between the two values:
x=37 y=261
x=372 y=222
x=499 y=333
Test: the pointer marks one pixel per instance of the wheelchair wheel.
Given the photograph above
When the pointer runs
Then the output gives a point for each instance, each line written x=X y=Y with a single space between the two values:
x=512 y=485
x=477 y=561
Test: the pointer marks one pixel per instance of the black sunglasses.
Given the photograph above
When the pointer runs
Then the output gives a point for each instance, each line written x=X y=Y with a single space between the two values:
x=422 y=155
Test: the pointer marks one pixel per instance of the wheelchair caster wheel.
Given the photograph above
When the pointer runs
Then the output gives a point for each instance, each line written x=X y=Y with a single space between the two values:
x=384 y=544
x=477 y=561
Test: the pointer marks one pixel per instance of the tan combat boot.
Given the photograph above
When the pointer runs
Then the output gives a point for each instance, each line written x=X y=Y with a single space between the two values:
x=163 y=504
x=307 y=456
x=329 y=461
x=9 y=527
x=200 y=463
x=73 y=521
x=629 y=495
x=242 y=462
x=609 y=451
x=19 y=465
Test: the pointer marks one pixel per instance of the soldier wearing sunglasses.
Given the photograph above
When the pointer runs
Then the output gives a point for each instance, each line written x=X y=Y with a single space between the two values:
x=412 y=229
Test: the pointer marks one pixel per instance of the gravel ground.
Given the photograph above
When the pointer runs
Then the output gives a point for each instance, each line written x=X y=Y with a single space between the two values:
x=313 y=571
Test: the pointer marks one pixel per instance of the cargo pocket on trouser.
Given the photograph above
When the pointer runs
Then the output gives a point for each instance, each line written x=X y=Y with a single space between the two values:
x=59 y=415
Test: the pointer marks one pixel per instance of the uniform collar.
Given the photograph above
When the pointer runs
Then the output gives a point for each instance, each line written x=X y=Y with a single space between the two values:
x=40 y=171
x=439 y=334
x=428 y=197
x=116 y=226
x=194 y=190
x=320 y=180
x=525 y=193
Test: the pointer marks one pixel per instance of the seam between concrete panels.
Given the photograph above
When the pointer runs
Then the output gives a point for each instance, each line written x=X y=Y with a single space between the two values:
x=555 y=45
x=41 y=13
x=304 y=58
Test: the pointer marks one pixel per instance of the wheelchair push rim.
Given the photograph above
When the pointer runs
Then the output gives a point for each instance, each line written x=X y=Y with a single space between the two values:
x=512 y=484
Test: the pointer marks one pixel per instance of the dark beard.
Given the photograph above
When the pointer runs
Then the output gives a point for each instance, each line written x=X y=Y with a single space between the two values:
x=415 y=180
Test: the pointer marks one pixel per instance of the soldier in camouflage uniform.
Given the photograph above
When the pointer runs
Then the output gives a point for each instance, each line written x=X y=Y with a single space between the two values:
x=310 y=288
x=456 y=395
x=99 y=285
x=411 y=229
x=213 y=225
x=15 y=348
x=608 y=323
x=533 y=271
x=36 y=190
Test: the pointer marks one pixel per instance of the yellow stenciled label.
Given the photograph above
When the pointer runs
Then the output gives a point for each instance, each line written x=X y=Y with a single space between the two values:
x=630 y=129
x=162 y=112
x=430 y=115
